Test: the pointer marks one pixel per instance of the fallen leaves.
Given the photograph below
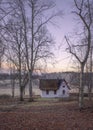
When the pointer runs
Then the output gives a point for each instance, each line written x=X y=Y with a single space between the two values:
x=52 y=116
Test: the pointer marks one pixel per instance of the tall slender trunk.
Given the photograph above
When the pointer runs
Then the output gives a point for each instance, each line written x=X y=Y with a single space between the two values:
x=12 y=71
x=21 y=87
x=13 y=87
x=32 y=45
x=81 y=89
x=90 y=77
x=21 y=93
x=25 y=42
x=20 y=77
x=90 y=93
x=0 y=62
x=30 y=86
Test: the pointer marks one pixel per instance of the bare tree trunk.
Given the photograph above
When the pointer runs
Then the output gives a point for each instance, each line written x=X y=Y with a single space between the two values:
x=21 y=87
x=32 y=46
x=20 y=76
x=90 y=77
x=0 y=62
x=13 y=87
x=12 y=71
x=81 y=89
x=30 y=87
x=21 y=93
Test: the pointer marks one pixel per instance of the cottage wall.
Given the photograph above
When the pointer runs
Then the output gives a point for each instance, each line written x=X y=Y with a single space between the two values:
x=61 y=92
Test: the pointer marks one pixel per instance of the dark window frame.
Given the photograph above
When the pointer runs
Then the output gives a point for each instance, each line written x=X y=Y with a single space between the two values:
x=55 y=92
x=47 y=92
x=64 y=91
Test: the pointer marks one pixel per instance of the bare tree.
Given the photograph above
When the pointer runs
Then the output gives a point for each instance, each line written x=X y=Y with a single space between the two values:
x=13 y=79
x=39 y=41
x=83 y=12
x=16 y=50
x=2 y=50
x=3 y=14
x=28 y=39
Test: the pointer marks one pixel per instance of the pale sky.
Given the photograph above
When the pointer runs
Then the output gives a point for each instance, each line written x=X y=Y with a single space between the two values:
x=65 y=26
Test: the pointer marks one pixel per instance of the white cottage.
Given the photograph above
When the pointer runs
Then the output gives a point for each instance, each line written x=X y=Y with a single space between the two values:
x=54 y=88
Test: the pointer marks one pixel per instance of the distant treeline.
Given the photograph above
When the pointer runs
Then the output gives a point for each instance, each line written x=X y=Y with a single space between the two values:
x=6 y=76
x=71 y=77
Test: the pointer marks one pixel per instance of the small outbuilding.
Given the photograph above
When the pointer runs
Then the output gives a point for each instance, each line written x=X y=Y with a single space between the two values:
x=54 y=88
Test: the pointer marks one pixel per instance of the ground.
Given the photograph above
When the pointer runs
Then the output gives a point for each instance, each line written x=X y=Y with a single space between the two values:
x=51 y=114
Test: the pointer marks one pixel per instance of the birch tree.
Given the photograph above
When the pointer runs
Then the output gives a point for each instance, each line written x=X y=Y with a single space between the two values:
x=83 y=12
x=41 y=41
x=37 y=40
x=3 y=15
x=16 y=51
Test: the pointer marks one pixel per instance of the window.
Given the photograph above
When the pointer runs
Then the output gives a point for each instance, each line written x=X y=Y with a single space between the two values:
x=55 y=92
x=47 y=92
x=63 y=92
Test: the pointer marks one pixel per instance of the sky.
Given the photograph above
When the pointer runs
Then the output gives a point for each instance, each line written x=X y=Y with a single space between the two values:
x=65 y=26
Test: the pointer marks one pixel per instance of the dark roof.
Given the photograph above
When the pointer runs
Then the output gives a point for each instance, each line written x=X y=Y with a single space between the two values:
x=50 y=84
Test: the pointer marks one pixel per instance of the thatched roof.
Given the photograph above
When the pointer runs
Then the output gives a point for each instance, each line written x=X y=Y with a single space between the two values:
x=50 y=84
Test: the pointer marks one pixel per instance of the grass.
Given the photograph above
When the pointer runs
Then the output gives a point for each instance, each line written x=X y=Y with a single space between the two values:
x=6 y=101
